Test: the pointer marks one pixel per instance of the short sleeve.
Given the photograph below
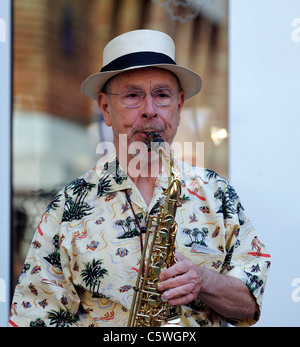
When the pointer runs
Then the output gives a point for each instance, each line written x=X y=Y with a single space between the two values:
x=247 y=257
x=45 y=295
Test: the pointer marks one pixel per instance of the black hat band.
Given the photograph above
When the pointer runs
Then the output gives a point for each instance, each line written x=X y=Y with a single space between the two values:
x=137 y=59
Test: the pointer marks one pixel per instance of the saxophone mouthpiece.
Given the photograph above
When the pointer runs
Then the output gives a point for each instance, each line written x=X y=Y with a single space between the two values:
x=154 y=138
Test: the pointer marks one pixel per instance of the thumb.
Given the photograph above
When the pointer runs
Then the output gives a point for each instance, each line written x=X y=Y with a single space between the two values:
x=179 y=256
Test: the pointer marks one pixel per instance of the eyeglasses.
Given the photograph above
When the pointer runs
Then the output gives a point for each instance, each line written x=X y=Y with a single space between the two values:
x=134 y=97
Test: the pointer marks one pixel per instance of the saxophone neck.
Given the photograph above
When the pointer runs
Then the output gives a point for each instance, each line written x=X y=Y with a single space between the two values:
x=168 y=164
x=157 y=144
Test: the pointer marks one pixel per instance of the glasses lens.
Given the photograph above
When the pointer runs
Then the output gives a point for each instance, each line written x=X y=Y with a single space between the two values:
x=133 y=98
x=162 y=97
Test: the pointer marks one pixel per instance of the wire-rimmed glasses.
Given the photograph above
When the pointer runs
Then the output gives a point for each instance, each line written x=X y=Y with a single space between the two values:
x=135 y=97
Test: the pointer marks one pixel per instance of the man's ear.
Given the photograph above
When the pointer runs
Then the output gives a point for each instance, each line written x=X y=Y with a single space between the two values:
x=181 y=100
x=104 y=107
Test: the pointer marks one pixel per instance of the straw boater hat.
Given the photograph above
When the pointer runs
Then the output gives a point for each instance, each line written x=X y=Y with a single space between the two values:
x=135 y=50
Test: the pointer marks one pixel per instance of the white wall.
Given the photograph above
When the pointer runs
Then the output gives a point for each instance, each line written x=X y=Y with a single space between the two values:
x=5 y=112
x=264 y=130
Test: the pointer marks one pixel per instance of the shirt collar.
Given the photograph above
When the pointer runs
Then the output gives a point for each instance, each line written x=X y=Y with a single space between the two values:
x=111 y=176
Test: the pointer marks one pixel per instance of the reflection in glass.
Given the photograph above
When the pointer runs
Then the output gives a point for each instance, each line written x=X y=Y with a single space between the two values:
x=57 y=44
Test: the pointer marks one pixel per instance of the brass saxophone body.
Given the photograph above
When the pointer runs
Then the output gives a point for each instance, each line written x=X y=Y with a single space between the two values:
x=149 y=309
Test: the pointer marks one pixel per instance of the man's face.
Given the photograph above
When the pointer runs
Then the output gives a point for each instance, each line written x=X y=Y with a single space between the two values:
x=135 y=122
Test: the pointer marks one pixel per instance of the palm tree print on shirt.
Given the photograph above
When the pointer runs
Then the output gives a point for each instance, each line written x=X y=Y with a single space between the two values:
x=92 y=275
x=77 y=209
x=127 y=228
x=227 y=198
x=62 y=318
x=54 y=257
x=110 y=171
x=54 y=203
x=194 y=236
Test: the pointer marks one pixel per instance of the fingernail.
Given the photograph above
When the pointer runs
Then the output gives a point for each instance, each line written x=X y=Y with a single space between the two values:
x=163 y=299
x=166 y=295
x=161 y=274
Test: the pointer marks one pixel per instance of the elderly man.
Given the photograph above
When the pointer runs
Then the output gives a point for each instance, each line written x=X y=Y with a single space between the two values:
x=83 y=262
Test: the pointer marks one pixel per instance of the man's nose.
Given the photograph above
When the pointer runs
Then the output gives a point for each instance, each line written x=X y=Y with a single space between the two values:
x=148 y=107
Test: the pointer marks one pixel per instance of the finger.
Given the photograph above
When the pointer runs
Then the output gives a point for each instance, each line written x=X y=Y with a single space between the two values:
x=177 y=269
x=181 y=295
x=179 y=291
x=173 y=282
x=179 y=256
x=182 y=300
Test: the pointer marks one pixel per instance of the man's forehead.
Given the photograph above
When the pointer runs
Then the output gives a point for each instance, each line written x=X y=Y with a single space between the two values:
x=137 y=77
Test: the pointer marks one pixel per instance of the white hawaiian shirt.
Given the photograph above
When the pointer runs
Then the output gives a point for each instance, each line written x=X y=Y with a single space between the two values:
x=84 y=257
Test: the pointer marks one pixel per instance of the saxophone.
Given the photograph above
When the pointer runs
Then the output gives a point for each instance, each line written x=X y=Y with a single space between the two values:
x=149 y=309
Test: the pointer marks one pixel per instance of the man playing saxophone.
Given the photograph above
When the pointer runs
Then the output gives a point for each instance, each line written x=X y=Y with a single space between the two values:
x=82 y=266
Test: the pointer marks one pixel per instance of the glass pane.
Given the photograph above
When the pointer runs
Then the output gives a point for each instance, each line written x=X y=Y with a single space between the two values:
x=57 y=44
x=5 y=166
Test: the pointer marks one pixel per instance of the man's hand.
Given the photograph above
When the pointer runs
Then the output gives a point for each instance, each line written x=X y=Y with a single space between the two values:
x=181 y=282
x=184 y=281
